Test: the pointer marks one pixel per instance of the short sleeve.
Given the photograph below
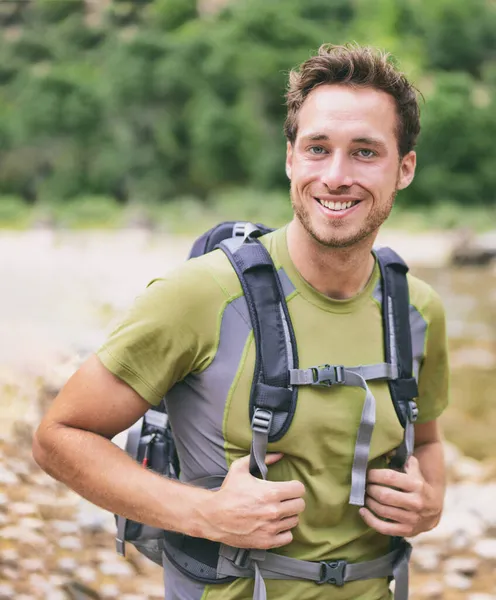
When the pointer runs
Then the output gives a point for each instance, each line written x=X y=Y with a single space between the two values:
x=434 y=375
x=170 y=331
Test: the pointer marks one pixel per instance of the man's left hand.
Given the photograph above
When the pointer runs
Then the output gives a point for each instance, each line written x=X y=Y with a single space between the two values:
x=400 y=504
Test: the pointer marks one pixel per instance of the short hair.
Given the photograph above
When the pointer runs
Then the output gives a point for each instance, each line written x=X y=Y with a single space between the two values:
x=359 y=66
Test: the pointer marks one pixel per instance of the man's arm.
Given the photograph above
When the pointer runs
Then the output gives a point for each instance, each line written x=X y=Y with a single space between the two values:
x=73 y=445
x=411 y=502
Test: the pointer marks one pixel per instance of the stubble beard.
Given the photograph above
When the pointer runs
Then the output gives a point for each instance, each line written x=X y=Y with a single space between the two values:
x=332 y=239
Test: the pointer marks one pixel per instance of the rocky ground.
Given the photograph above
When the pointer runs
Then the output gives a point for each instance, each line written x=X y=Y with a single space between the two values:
x=56 y=546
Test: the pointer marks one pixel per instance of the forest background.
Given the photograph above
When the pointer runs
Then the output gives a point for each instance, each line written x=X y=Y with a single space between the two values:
x=171 y=111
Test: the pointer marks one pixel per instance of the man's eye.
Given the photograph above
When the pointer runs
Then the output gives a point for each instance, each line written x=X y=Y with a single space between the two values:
x=317 y=150
x=365 y=153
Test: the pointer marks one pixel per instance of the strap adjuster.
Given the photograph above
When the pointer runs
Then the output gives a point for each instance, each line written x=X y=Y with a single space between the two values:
x=262 y=420
x=242 y=558
x=332 y=572
x=327 y=375
x=412 y=411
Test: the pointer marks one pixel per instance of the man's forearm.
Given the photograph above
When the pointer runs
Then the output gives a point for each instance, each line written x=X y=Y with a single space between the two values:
x=104 y=474
x=430 y=456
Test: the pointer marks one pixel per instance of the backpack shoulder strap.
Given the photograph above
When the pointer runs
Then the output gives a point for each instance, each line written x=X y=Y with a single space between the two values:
x=272 y=398
x=397 y=333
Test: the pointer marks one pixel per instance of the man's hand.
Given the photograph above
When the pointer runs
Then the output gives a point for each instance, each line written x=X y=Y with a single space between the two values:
x=247 y=512
x=400 y=504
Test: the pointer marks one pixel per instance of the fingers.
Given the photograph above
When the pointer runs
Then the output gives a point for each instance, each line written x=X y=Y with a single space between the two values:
x=394 y=498
x=292 y=507
x=398 y=515
x=287 y=490
x=243 y=463
x=273 y=457
x=287 y=524
x=281 y=539
x=407 y=482
x=393 y=529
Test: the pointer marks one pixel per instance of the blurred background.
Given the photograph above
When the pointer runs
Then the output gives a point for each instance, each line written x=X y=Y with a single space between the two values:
x=127 y=128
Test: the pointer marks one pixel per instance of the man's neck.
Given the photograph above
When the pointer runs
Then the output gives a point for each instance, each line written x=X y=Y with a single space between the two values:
x=339 y=273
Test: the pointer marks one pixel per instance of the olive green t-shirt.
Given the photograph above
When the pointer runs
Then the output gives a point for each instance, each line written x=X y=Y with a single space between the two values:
x=188 y=337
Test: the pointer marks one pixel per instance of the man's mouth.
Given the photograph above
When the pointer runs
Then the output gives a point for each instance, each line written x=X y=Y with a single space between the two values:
x=337 y=206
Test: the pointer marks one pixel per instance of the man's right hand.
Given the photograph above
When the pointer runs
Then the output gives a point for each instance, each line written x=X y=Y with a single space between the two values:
x=247 y=512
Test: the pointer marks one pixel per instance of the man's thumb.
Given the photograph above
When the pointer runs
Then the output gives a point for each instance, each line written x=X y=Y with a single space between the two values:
x=243 y=463
x=412 y=465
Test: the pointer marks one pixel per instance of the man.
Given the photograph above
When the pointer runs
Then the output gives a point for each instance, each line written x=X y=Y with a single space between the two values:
x=351 y=127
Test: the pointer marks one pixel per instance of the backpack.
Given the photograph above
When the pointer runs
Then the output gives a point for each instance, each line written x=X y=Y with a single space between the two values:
x=273 y=398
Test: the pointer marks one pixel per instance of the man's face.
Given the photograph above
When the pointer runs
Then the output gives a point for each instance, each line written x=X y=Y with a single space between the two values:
x=344 y=166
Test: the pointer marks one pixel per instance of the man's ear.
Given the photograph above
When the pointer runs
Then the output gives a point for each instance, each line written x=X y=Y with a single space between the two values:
x=289 y=159
x=407 y=170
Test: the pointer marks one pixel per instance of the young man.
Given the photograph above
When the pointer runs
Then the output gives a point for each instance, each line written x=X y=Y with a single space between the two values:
x=351 y=127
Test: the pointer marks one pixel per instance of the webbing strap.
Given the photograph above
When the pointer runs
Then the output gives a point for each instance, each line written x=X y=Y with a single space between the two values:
x=362 y=444
x=132 y=447
x=258 y=452
x=337 y=572
x=316 y=375
x=353 y=376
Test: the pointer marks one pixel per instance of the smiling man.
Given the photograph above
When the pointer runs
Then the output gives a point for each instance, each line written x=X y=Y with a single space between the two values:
x=351 y=127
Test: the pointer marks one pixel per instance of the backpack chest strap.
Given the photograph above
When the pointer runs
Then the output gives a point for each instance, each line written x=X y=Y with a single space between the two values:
x=329 y=375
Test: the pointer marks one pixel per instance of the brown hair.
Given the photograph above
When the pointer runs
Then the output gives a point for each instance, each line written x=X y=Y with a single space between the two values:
x=355 y=65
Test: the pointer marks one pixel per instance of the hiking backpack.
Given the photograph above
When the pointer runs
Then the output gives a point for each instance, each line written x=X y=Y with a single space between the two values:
x=272 y=404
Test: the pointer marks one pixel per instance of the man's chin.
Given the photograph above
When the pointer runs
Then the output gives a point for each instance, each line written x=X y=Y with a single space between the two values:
x=339 y=239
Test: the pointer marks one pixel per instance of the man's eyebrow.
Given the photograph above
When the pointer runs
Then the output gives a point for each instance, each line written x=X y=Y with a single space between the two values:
x=322 y=137
x=316 y=137
x=369 y=141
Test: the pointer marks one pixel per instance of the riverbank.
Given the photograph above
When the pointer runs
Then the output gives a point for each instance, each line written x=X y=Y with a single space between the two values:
x=56 y=546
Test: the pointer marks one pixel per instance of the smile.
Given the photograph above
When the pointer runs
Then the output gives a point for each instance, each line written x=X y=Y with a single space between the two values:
x=337 y=206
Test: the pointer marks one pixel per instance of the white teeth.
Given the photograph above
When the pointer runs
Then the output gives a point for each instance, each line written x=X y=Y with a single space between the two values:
x=336 y=205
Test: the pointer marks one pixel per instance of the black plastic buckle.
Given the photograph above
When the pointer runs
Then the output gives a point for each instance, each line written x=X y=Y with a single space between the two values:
x=327 y=375
x=332 y=572
x=262 y=420
x=241 y=558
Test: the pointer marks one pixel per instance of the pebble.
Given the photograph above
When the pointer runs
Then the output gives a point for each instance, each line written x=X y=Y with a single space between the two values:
x=67 y=564
x=486 y=548
x=426 y=558
x=86 y=574
x=457 y=581
x=109 y=590
x=116 y=568
x=32 y=564
x=7 y=477
x=433 y=590
x=22 y=508
x=23 y=536
x=7 y=590
x=9 y=573
x=464 y=566
x=94 y=518
x=31 y=523
x=69 y=543
x=65 y=526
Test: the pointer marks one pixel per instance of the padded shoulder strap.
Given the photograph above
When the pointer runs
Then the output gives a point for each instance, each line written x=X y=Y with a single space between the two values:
x=275 y=341
x=397 y=334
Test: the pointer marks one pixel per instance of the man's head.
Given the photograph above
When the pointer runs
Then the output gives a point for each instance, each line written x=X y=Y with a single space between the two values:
x=351 y=127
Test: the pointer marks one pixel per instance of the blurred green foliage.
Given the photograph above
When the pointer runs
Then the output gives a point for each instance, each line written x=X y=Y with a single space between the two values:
x=147 y=101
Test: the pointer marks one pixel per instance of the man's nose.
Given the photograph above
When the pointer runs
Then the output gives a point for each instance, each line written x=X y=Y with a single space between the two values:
x=337 y=171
